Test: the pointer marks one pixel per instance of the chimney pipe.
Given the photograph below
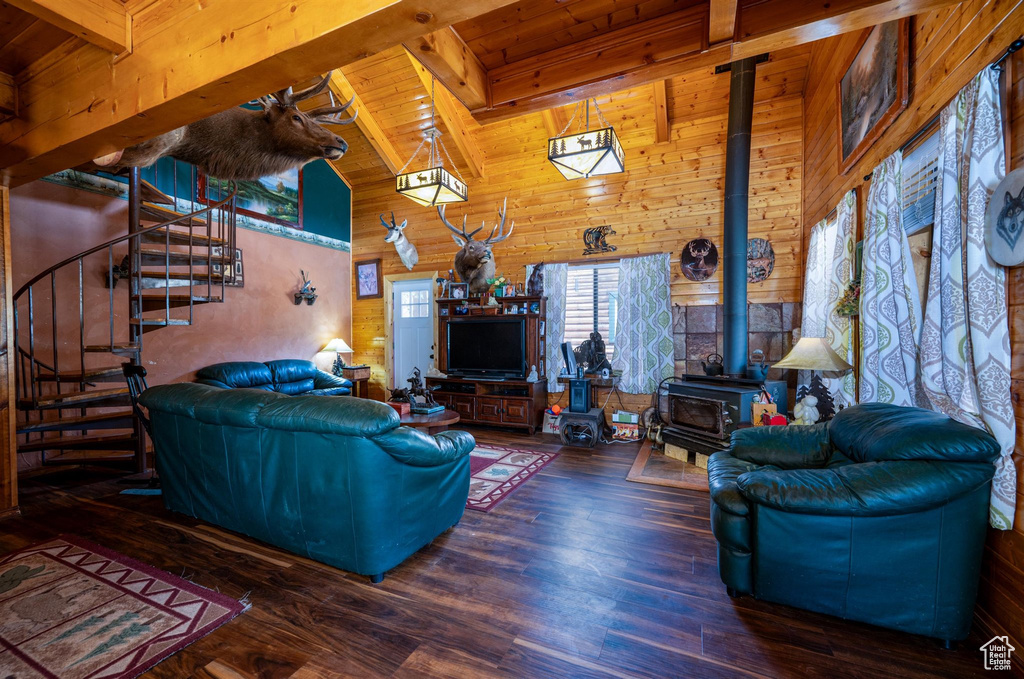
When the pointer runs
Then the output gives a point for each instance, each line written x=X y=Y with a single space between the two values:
x=734 y=240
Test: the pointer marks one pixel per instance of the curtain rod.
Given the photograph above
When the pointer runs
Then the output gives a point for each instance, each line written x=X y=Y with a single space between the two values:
x=995 y=65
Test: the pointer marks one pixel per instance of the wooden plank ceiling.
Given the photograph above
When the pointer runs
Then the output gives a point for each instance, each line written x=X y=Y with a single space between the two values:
x=96 y=75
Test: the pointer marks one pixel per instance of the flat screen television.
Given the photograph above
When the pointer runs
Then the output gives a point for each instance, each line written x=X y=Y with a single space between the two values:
x=488 y=347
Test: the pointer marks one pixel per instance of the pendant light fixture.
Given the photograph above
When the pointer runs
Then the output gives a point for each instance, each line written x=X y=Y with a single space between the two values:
x=434 y=185
x=586 y=153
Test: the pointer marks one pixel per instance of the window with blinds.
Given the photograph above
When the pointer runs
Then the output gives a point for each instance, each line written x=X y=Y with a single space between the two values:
x=590 y=303
x=920 y=174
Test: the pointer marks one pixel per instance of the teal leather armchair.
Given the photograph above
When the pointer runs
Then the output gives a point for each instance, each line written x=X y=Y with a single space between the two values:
x=290 y=376
x=334 y=479
x=879 y=516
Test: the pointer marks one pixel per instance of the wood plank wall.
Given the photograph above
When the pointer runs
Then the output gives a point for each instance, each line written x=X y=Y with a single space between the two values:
x=948 y=47
x=670 y=193
x=8 y=449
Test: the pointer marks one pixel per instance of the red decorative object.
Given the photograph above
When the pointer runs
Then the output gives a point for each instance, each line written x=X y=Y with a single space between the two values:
x=402 y=407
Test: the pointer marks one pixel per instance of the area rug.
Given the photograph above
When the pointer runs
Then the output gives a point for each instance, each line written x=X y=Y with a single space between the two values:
x=496 y=471
x=70 y=609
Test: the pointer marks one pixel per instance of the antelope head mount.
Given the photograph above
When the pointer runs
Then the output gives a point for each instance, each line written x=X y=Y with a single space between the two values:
x=396 y=234
x=474 y=262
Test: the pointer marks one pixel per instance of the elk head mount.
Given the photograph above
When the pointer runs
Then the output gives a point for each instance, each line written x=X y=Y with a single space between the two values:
x=396 y=234
x=242 y=144
x=474 y=262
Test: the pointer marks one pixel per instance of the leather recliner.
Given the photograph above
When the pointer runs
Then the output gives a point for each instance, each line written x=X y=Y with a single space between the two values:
x=879 y=516
x=334 y=479
x=288 y=376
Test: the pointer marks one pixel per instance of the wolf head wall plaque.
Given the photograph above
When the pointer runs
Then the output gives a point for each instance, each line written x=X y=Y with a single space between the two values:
x=1004 y=221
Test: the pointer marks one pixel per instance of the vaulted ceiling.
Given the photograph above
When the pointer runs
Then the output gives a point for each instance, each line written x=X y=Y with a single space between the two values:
x=81 y=79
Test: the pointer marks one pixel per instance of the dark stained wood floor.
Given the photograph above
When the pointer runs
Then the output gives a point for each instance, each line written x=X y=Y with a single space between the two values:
x=578 y=574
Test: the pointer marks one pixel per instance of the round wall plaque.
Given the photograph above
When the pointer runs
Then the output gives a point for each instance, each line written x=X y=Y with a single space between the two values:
x=760 y=260
x=699 y=259
x=1004 y=221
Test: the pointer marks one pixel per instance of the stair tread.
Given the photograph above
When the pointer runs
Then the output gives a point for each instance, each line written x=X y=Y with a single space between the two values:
x=177 y=297
x=94 y=441
x=180 y=238
x=116 y=347
x=152 y=194
x=181 y=275
x=159 y=321
x=77 y=396
x=104 y=421
x=79 y=376
x=153 y=212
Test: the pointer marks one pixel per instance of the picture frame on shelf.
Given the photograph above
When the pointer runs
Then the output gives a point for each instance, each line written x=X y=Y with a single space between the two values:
x=442 y=311
x=458 y=291
x=873 y=90
x=368 y=279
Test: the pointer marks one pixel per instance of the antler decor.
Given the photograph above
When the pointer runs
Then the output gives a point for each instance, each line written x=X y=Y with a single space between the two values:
x=474 y=262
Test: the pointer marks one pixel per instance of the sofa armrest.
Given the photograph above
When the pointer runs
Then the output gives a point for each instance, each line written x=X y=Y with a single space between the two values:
x=325 y=380
x=415 y=448
x=788 y=447
x=868 y=489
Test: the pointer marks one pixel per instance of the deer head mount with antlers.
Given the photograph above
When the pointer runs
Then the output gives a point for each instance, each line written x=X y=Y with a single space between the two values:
x=245 y=144
x=396 y=234
x=474 y=262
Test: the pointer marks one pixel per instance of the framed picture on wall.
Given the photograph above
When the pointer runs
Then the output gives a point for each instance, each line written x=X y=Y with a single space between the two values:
x=275 y=198
x=368 y=279
x=873 y=89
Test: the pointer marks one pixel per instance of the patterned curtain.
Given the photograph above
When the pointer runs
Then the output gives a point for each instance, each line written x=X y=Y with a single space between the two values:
x=829 y=273
x=890 y=308
x=643 y=326
x=965 y=344
x=555 y=276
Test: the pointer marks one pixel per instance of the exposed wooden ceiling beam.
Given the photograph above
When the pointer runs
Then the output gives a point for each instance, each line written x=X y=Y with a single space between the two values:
x=366 y=122
x=104 y=23
x=722 y=20
x=191 y=60
x=453 y=63
x=459 y=123
x=662 y=126
x=555 y=120
x=8 y=97
x=778 y=24
x=672 y=45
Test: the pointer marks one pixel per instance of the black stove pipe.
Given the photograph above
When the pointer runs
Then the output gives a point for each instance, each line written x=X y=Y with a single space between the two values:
x=734 y=240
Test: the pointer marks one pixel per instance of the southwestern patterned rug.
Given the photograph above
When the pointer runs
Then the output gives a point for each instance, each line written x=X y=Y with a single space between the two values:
x=496 y=471
x=70 y=609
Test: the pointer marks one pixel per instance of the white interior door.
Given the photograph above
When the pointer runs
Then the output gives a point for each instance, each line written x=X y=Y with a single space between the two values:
x=413 y=306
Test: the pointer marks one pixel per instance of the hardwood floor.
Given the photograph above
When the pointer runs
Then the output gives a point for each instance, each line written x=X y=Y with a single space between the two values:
x=578 y=574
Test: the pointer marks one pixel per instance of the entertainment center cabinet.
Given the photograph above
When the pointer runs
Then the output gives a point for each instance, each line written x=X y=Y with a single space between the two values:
x=509 y=402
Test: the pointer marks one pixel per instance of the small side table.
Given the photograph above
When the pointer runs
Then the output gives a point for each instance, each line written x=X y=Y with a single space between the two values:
x=581 y=429
x=432 y=424
x=360 y=379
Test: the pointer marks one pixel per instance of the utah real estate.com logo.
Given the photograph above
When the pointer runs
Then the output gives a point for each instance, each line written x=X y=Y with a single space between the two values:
x=997 y=652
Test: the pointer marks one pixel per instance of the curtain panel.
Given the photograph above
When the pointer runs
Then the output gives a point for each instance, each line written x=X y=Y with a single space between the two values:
x=643 y=325
x=890 y=308
x=965 y=344
x=555 y=277
x=830 y=262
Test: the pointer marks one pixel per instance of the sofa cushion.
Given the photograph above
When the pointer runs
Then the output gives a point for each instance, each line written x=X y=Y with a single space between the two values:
x=237 y=375
x=303 y=386
x=872 y=432
x=234 y=407
x=340 y=415
x=292 y=370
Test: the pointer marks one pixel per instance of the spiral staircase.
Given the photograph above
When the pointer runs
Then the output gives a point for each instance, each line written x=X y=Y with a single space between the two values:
x=75 y=328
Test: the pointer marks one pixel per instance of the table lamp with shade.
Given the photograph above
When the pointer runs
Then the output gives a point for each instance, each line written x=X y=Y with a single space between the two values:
x=339 y=347
x=812 y=353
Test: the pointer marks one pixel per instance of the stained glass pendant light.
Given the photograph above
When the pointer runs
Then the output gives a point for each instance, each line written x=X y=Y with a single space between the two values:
x=586 y=153
x=434 y=185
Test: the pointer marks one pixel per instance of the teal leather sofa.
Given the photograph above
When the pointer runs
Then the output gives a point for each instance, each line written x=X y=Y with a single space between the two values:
x=334 y=479
x=288 y=376
x=879 y=516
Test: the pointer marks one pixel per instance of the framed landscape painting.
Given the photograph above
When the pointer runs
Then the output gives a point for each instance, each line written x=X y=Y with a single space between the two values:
x=275 y=198
x=873 y=89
